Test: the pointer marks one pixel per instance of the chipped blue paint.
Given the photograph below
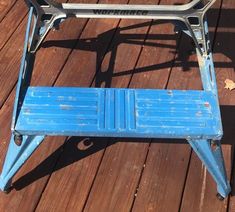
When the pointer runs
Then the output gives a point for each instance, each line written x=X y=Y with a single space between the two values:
x=97 y=112
x=191 y=115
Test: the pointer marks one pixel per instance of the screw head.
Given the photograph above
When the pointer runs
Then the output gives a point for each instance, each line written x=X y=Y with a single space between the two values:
x=18 y=139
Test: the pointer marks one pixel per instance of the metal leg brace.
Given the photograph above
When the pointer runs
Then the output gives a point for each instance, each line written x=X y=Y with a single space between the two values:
x=16 y=157
x=210 y=153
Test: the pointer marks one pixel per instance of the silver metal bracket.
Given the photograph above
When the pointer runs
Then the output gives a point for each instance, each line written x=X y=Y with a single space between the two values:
x=188 y=17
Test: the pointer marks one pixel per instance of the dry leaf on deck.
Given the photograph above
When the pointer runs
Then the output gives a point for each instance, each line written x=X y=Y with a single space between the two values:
x=229 y=84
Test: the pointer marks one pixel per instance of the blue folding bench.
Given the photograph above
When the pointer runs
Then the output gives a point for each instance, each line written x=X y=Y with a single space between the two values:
x=44 y=111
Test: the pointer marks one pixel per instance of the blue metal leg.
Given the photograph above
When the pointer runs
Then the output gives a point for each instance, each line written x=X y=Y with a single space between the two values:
x=16 y=157
x=210 y=154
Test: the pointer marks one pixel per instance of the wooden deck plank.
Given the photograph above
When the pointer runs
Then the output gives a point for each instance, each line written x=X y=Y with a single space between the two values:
x=121 y=167
x=12 y=51
x=9 y=24
x=79 y=72
x=165 y=170
x=10 y=62
x=115 y=178
x=105 y=66
x=200 y=188
x=5 y=6
x=155 y=189
x=162 y=184
x=51 y=70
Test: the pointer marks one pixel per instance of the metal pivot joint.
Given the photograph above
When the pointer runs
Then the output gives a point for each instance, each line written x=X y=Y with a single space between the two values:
x=44 y=111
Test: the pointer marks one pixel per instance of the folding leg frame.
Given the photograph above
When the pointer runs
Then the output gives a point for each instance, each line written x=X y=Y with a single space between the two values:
x=16 y=157
x=211 y=155
x=45 y=111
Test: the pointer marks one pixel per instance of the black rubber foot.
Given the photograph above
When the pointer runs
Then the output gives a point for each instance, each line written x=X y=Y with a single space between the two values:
x=221 y=198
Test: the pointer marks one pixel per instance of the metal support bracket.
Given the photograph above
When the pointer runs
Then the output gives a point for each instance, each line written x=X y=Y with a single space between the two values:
x=49 y=14
x=210 y=153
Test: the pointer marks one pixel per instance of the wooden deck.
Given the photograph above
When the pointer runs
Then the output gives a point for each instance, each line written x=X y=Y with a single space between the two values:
x=104 y=174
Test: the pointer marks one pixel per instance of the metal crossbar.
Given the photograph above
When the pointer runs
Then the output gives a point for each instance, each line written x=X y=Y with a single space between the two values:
x=117 y=112
x=50 y=13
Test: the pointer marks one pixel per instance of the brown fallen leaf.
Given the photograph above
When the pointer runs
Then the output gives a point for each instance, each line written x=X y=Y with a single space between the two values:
x=229 y=84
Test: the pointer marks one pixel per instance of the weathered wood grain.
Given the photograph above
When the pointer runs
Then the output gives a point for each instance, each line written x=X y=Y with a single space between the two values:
x=9 y=24
x=119 y=183
x=114 y=174
x=165 y=170
x=200 y=189
x=5 y=7
x=48 y=70
x=80 y=70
